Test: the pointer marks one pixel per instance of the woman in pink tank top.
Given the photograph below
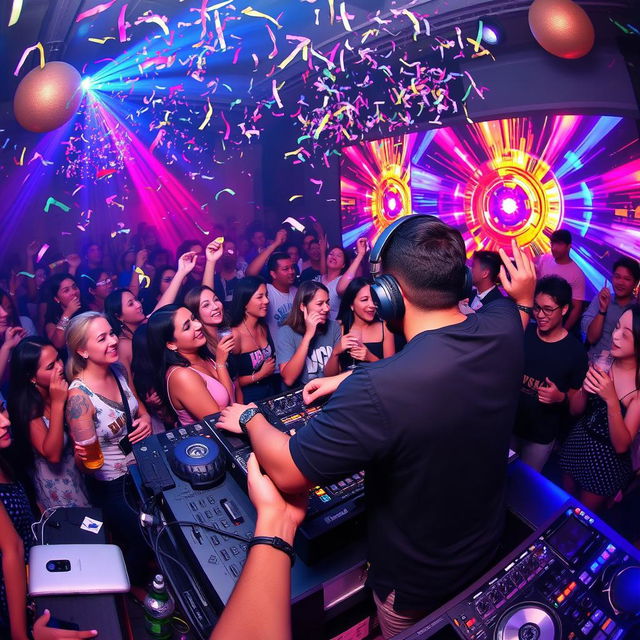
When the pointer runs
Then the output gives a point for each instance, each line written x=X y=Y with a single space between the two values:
x=191 y=382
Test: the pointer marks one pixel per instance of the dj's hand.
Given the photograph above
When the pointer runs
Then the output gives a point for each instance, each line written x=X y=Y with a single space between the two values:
x=320 y=387
x=278 y=514
x=229 y=419
x=42 y=632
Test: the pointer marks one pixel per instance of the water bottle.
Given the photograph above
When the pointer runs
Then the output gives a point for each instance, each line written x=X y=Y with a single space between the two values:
x=158 y=610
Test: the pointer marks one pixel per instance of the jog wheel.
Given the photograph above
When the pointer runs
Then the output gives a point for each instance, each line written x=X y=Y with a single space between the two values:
x=199 y=461
x=528 y=621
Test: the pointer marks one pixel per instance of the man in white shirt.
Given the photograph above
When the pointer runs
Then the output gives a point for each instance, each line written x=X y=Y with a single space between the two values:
x=281 y=291
x=559 y=263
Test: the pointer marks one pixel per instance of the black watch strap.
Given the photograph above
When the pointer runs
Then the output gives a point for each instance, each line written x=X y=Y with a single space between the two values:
x=602 y=313
x=522 y=307
x=277 y=543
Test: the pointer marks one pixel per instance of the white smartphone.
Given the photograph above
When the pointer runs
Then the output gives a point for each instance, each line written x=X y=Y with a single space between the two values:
x=294 y=224
x=62 y=569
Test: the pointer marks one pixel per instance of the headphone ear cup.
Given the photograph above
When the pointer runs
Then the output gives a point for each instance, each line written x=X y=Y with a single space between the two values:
x=388 y=297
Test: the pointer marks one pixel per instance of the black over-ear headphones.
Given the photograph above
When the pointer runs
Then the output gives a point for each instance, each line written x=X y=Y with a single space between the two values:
x=385 y=289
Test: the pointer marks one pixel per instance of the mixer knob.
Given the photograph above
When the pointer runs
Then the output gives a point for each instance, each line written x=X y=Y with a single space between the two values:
x=199 y=461
x=482 y=606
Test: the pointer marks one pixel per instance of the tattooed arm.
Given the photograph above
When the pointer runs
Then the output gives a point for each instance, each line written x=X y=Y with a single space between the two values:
x=80 y=418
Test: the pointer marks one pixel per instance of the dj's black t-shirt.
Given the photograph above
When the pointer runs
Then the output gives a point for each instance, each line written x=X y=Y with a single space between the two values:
x=565 y=363
x=431 y=427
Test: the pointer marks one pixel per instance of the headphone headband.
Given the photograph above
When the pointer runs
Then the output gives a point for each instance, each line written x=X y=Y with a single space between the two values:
x=375 y=257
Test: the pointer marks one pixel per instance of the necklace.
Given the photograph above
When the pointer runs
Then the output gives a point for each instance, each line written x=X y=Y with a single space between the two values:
x=265 y=352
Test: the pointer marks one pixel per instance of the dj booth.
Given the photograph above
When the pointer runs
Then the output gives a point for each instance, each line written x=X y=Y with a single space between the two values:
x=563 y=574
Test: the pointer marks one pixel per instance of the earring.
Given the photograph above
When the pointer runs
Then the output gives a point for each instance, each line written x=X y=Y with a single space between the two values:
x=172 y=348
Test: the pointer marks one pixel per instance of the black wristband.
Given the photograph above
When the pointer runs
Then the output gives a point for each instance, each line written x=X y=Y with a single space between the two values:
x=602 y=313
x=528 y=310
x=276 y=543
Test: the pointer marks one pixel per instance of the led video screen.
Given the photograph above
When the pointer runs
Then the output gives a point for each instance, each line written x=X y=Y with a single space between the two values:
x=516 y=177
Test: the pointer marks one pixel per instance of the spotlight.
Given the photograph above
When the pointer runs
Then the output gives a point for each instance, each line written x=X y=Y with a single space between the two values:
x=86 y=83
x=491 y=33
x=509 y=205
x=393 y=203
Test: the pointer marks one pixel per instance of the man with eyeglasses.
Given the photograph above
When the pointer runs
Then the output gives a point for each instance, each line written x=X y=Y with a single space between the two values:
x=555 y=364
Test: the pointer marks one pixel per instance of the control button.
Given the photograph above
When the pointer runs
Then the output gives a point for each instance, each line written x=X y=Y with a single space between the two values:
x=213 y=559
x=225 y=554
x=471 y=622
x=584 y=576
x=208 y=514
x=594 y=567
x=560 y=599
x=232 y=511
x=211 y=500
x=567 y=592
x=235 y=551
x=600 y=636
x=597 y=616
x=617 y=635
x=235 y=570
x=605 y=555
x=611 y=548
x=587 y=628
x=215 y=540
x=608 y=626
x=225 y=523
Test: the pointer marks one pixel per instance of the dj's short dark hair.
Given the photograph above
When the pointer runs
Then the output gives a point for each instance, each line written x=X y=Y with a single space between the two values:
x=428 y=258
x=556 y=287
x=630 y=264
x=489 y=260
x=561 y=235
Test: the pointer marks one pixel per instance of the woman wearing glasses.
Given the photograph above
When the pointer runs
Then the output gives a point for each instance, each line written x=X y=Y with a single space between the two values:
x=555 y=366
x=96 y=285
x=254 y=352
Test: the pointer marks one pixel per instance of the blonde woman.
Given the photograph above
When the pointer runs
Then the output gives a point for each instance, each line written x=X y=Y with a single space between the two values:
x=96 y=403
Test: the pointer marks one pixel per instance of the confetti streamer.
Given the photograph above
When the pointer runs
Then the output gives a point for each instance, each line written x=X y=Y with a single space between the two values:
x=250 y=11
x=414 y=20
x=276 y=95
x=207 y=117
x=231 y=192
x=52 y=201
x=219 y=31
x=43 y=249
x=16 y=9
x=274 y=51
x=345 y=18
x=102 y=40
x=94 y=11
x=122 y=25
x=103 y=173
x=292 y=198
x=206 y=233
x=155 y=18
x=26 y=53
x=143 y=278
x=26 y=273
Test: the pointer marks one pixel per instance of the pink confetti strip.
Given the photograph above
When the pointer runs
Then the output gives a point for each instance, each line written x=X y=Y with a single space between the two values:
x=26 y=53
x=94 y=11
x=122 y=25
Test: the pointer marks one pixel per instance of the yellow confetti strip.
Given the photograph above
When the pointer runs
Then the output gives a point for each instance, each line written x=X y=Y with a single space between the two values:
x=16 y=9
x=292 y=198
x=250 y=11
x=345 y=18
x=205 y=122
x=101 y=40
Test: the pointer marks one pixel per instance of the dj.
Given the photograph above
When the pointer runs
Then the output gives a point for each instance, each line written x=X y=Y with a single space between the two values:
x=430 y=425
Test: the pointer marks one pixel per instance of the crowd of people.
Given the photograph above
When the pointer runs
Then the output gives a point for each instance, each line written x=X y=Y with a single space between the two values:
x=97 y=354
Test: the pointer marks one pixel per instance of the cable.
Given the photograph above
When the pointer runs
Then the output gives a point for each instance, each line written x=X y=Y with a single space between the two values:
x=45 y=515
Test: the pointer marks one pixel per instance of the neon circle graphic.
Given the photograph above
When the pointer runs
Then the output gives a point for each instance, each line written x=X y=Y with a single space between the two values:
x=504 y=200
x=390 y=196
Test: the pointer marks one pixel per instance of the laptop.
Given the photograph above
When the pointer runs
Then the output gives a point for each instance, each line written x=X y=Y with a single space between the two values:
x=62 y=569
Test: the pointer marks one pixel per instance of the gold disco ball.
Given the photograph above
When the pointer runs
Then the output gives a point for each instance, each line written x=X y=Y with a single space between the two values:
x=47 y=97
x=561 y=27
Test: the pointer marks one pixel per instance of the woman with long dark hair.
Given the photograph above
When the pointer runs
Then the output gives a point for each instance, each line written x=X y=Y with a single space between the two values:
x=145 y=382
x=358 y=317
x=596 y=456
x=309 y=343
x=253 y=356
x=190 y=380
x=36 y=405
x=336 y=263
x=125 y=314
x=10 y=336
x=63 y=303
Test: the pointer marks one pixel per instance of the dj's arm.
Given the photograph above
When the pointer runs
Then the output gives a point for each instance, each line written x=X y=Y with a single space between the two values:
x=259 y=607
x=271 y=447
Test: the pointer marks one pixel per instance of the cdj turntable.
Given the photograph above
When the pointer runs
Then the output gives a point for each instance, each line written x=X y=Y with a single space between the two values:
x=333 y=516
x=569 y=583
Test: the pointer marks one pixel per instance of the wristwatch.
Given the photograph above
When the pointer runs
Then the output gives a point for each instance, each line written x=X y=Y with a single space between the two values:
x=245 y=417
